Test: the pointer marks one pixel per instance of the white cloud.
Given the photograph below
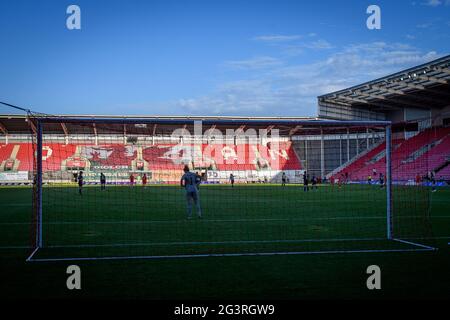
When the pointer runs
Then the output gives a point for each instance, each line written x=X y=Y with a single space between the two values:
x=277 y=38
x=433 y=3
x=238 y=97
x=299 y=48
x=293 y=45
x=436 y=3
x=292 y=89
x=319 y=44
x=254 y=63
x=424 y=25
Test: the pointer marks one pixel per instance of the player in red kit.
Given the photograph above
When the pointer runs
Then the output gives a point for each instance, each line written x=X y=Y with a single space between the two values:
x=144 y=180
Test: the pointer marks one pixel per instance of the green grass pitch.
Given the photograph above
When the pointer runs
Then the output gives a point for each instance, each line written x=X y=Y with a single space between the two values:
x=136 y=221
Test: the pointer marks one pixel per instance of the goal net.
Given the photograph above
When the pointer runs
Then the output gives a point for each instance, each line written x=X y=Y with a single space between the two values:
x=119 y=188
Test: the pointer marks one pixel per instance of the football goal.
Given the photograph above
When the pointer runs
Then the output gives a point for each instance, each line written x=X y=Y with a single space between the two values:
x=160 y=187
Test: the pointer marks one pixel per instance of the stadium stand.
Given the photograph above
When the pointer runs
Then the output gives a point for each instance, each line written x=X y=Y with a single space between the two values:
x=444 y=172
x=58 y=156
x=424 y=152
x=416 y=155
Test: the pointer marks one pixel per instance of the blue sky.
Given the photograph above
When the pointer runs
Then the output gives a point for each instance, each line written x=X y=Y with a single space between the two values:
x=230 y=57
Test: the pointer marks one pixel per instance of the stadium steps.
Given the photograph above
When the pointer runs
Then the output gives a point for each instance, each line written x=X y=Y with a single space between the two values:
x=336 y=172
x=431 y=160
x=444 y=171
x=404 y=149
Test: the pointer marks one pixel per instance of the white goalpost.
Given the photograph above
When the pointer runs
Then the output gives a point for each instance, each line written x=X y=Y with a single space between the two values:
x=139 y=210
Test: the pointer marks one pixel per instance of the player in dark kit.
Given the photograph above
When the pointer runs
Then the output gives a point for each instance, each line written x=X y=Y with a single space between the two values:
x=381 y=179
x=198 y=180
x=232 y=180
x=305 y=182
x=283 y=179
x=102 y=181
x=433 y=181
x=80 y=182
x=314 y=182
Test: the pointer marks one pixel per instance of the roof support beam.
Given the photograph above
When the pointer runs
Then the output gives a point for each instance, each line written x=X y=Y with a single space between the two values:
x=66 y=133
x=376 y=104
x=211 y=130
x=410 y=103
x=3 y=129
x=294 y=130
x=63 y=126
x=240 y=129
x=327 y=103
x=406 y=104
x=370 y=95
x=421 y=87
x=153 y=134
x=95 y=134
x=443 y=81
x=444 y=70
x=33 y=127
x=408 y=95
x=389 y=90
x=412 y=95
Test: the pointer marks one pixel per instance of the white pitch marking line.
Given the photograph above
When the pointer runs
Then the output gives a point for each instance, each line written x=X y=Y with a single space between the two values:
x=210 y=242
x=212 y=220
x=227 y=255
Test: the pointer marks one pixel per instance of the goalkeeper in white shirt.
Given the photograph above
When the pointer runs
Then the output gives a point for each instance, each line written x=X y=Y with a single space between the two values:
x=190 y=182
